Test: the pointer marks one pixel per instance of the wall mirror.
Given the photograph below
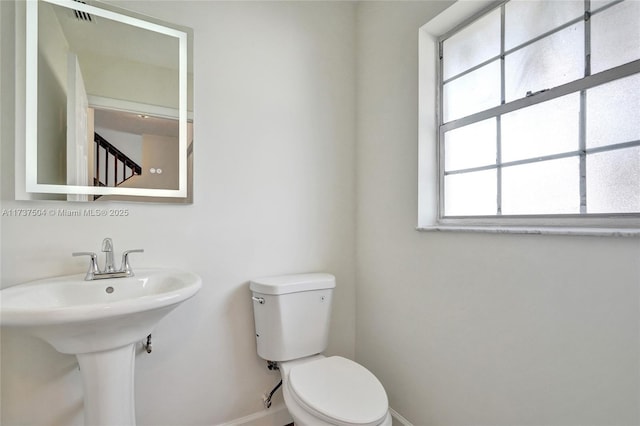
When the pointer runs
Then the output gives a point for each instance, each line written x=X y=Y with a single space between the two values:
x=107 y=106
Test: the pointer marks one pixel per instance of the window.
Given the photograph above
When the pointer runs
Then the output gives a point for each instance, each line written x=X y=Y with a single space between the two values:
x=539 y=115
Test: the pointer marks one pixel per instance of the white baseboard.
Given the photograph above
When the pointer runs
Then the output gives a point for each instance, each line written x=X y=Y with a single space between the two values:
x=277 y=415
x=397 y=418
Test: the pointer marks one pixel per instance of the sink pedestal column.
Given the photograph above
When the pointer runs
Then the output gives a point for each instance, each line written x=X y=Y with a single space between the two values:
x=108 y=379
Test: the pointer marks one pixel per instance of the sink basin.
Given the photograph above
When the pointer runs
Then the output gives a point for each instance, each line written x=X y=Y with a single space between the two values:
x=77 y=316
x=99 y=321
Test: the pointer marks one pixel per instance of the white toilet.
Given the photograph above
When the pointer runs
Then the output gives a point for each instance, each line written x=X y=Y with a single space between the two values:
x=292 y=328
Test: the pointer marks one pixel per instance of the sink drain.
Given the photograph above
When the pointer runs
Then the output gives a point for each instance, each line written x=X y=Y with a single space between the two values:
x=109 y=290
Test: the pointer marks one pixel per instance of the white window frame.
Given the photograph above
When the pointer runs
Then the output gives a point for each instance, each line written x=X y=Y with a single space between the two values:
x=429 y=167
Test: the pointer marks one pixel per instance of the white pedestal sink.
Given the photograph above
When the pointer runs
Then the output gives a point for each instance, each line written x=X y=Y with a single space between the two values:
x=100 y=322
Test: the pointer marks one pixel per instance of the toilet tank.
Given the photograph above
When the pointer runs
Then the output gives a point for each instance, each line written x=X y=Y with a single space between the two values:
x=291 y=314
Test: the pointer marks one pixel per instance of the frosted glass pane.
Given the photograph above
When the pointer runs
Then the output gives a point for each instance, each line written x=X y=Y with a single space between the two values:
x=613 y=112
x=615 y=36
x=546 y=187
x=597 y=4
x=548 y=128
x=547 y=63
x=470 y=194
x=470 y=146
x=473 y=45
x=476 y=91
x=613 y=181
x=525 y=20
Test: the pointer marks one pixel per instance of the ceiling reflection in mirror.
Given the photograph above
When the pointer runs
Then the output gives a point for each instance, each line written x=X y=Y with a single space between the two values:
x=107 y=105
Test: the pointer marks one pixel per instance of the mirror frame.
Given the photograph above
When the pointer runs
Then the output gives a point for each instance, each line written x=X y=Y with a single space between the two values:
x=31 y=185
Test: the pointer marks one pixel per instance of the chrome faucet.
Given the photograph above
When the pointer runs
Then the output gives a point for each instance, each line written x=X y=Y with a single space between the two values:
x=107 y=249
x=109 y=271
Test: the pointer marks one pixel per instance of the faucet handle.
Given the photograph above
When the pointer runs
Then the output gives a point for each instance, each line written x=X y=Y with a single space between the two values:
x=93 y=263
x=126 y=267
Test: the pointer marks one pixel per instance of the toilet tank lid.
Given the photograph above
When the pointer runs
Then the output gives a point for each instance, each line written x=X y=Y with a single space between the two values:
x=283 y=284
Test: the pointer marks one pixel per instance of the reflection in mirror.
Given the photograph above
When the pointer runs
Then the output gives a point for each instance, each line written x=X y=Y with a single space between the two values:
x=106 y=105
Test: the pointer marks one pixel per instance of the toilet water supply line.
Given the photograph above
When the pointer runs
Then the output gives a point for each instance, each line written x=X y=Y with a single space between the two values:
x=271 y=365
x=267 y=399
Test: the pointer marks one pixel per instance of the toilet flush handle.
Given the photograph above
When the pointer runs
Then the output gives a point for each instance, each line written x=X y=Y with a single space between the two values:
x=260 y=300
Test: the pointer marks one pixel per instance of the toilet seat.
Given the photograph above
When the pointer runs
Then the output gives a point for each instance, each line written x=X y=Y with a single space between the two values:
x=339 y=391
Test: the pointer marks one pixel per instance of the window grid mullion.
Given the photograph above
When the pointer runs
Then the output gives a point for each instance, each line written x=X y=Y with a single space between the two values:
x=582 y=134
x=440 y=145
x=596 y=150
x=499 y=164
x=499 y=117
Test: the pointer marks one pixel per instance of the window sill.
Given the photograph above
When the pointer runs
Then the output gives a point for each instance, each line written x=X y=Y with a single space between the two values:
x=548 y=230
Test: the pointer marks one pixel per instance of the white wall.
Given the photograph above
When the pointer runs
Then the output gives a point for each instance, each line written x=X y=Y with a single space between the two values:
x=274 y=193
x=476 y=328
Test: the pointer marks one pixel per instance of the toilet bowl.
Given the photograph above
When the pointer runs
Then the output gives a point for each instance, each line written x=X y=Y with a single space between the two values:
x=333 y=391
x=291 y=314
